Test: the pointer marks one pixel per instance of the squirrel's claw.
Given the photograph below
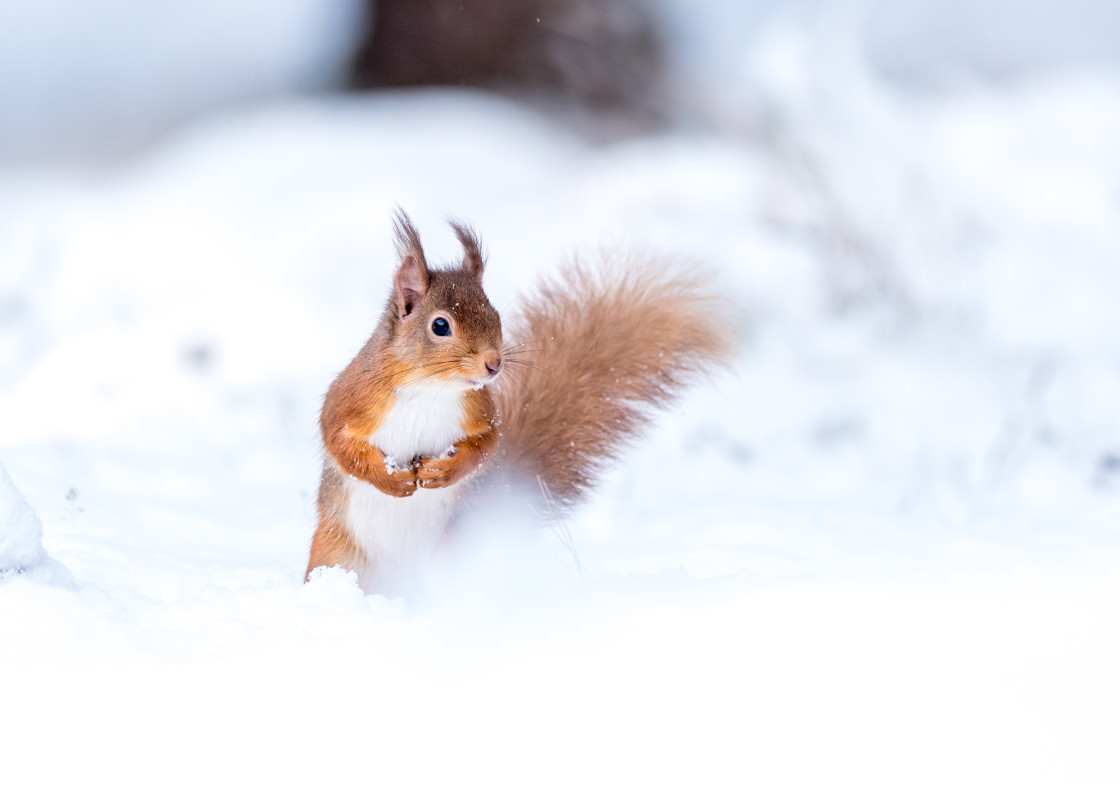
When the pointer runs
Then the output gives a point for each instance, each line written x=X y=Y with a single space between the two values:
x=438 y=473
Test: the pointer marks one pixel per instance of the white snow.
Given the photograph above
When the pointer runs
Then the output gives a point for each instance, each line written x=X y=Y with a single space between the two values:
x=882 y=549
x=21 y=534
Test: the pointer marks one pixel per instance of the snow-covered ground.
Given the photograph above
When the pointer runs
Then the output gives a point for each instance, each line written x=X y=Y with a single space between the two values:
x=882 y=549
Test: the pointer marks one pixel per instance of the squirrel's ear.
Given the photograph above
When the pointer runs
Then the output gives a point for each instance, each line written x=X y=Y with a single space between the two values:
x=473 y=259
x=411 y=282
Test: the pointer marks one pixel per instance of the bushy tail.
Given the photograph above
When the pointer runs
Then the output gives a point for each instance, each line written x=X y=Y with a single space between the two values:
x=590 y=356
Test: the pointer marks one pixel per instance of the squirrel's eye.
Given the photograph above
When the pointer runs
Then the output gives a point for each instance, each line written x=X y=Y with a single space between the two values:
x=440 y=327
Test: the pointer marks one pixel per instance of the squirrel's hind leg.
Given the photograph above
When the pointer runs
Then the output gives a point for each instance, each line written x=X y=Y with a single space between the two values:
x=333 y=544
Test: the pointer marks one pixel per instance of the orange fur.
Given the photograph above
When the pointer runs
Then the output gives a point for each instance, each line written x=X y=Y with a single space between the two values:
x=602 y=347
x=332 y=543
x=355 y=405
x=402 y=353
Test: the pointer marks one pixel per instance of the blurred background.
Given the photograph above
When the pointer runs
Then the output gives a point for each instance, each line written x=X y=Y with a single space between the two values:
x=93 y=80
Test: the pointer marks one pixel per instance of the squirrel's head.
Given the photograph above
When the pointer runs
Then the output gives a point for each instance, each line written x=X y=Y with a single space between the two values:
x=441 y=323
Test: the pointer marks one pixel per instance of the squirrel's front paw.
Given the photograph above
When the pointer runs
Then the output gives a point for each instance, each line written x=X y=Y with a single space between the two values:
x=439 y=472
x=400 y=482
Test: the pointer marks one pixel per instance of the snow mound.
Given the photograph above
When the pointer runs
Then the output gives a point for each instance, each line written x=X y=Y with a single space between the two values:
x=21 y=538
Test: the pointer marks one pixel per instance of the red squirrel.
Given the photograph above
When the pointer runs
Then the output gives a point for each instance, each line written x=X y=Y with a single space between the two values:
x=437 y=400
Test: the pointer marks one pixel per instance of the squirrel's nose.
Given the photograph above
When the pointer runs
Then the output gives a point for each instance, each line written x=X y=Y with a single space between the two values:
x=494 y=366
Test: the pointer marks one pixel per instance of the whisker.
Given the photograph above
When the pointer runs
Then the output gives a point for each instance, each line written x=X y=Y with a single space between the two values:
x=533 y=366
x=426 y=376
x=413 y=369
x=524 y=344
x=442 y=367
x=511 y=303
x=516 y=378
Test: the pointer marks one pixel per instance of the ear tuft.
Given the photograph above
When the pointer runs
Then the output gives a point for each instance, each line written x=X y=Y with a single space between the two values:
x=412 y=279
x=474 y=260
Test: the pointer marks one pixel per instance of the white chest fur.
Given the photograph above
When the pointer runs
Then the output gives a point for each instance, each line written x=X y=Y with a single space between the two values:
x=425 y=420
x=398 y=535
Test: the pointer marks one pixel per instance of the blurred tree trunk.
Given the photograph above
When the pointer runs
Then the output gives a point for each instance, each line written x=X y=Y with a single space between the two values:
x=606 y=53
